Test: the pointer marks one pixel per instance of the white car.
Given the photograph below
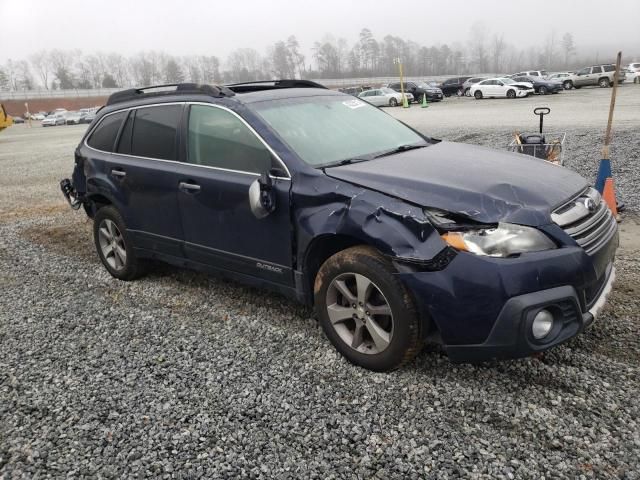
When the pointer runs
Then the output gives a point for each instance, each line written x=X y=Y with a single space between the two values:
x=37 y=116
x=53 y=120
x=501 y=87
x=381 y=97
x=633 y=72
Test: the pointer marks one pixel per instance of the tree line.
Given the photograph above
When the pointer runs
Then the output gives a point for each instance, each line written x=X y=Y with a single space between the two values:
x=330 y=57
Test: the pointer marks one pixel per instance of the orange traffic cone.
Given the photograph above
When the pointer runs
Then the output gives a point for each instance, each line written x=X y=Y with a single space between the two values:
x=609 y=196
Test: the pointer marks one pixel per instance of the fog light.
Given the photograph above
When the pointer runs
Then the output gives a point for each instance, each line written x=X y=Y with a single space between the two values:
x=542 y=324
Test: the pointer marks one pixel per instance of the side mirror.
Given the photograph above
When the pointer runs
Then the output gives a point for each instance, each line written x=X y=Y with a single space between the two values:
x=262 y=199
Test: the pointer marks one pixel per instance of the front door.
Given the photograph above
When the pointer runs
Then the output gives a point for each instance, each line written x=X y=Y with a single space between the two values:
x=224 y=156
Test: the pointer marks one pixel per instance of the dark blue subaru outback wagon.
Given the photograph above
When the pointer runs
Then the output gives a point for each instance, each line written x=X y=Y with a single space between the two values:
x=394 y=237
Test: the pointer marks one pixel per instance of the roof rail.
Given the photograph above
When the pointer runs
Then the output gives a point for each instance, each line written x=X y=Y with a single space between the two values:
x=272 y=85
x=168 y=89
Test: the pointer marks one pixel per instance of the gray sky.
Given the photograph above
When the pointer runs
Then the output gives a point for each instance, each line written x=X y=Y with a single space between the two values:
x=214 y=27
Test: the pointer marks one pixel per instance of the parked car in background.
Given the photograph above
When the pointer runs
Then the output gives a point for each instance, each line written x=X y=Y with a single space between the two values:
x=466 y=86
x=418 y=90
x=540 y=84
x=501 y=87
x=561 y=77
x=355 y=91
x=633 y=72
x=38 y=116
x=392 y=236
x=54 y=119
x=18 y=120
x=384 y=96
x=88 y=116
x=72 y=118
x=453 y=86
x=532 y=73
x=600 y=75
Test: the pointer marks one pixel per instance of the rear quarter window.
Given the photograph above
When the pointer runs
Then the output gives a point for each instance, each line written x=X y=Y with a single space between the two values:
x=104 y=136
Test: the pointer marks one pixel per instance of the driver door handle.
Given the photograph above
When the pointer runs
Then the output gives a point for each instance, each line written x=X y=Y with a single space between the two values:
x=118 y=173
x=189 y=187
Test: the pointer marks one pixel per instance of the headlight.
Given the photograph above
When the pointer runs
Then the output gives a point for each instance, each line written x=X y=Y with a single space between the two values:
x=504 y=240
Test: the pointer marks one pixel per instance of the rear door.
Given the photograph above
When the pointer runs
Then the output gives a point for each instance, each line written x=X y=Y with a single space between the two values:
x=223 y=157
x=143 y=167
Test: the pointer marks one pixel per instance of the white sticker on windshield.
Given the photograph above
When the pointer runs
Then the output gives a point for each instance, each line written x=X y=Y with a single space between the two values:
x=353 y=104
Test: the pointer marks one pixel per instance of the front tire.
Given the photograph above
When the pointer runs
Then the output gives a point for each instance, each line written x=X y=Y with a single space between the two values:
x=543 y=90
x=478 y=95
x=511 y=93
x=366 y=311
x=114 y=245
x=460 y=92
x=393 y=102
x=568 y=85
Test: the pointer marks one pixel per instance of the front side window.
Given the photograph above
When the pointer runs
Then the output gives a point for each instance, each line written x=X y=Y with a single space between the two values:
x=217 y=138
x=325 y=130
x=154 y=132
x=584 y=71
x=104 y=136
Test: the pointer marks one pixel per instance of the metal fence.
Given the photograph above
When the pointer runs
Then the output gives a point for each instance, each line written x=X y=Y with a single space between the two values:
x=105 y=92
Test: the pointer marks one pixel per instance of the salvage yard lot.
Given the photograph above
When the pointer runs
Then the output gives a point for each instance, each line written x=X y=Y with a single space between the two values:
x=184 y=375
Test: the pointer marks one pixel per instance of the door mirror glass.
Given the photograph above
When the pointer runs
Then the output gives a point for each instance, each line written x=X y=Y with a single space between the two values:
x=262 y=198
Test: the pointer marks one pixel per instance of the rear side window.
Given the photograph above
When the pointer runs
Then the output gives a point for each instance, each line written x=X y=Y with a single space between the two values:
x=596 y=70
x=218 y=138
x=124 y=144
x=154 y=132
x=609 y=68
x=104 y=136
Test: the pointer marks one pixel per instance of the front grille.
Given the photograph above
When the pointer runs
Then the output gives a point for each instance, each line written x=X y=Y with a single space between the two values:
x=588 y=220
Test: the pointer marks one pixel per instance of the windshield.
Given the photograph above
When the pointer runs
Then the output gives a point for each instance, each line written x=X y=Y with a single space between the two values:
x=507 y=81
x=328 y=130
x=424 y=85
x=387 y=90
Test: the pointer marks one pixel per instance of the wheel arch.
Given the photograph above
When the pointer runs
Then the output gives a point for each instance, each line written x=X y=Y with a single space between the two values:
x=319 y=250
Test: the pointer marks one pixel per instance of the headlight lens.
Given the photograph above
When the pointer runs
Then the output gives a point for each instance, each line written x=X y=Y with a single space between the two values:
x=504 y=240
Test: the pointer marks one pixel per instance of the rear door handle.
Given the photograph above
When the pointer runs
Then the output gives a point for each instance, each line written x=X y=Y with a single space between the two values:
x=118 y=173
x=189 y=187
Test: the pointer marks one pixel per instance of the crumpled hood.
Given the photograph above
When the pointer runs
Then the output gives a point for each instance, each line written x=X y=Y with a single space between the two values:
x=481 y=183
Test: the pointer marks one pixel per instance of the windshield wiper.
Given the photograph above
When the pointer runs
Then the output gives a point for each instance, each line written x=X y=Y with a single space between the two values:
x=399 y=149
x=346 y=161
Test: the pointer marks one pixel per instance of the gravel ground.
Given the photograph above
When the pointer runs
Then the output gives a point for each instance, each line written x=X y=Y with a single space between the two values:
x=180 y=375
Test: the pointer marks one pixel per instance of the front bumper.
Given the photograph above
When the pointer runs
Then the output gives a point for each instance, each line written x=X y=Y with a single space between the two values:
x=524 y=93
x=513 y=339
x=483 y=306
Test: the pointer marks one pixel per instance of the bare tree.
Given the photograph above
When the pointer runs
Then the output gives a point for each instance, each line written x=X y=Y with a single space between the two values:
x=498 y=52
x=549 y=50
x=478 y=46
x=296 y=56
x=42 y=65
x=567 y=47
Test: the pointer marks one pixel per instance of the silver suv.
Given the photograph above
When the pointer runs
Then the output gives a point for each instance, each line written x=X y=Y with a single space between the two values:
x=601 y=75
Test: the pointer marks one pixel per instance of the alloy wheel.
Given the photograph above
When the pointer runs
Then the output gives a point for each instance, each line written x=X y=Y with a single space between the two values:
x=359 y=313
x=112 y=244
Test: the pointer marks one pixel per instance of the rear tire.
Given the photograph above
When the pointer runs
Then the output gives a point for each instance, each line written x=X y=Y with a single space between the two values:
x=114 y=245
x=511 y=93
x=460 y=92
x=568 y=85
x=604 y=83
x=366 y=311
x=478 y=95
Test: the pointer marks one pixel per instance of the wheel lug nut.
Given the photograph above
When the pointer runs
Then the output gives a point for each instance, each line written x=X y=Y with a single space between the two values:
x=366 y=313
